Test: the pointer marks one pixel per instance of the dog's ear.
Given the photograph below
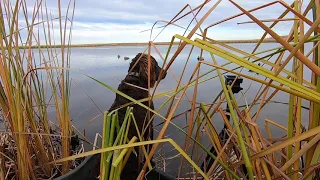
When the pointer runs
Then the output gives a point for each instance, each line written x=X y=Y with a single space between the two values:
x=143 y=69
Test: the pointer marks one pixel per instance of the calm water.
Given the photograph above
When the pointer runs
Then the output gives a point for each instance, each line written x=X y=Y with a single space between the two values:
x=102 y=63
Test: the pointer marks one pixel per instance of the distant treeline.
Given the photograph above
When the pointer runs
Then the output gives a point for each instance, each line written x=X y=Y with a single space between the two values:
x=144 y=44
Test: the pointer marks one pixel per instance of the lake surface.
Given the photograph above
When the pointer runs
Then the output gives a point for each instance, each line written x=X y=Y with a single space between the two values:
x=103 y=64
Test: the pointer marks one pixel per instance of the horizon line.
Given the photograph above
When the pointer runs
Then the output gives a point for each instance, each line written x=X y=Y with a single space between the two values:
x=145 y=43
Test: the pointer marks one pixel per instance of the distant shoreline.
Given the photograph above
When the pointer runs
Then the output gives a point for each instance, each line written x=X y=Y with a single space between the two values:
x=146 y=44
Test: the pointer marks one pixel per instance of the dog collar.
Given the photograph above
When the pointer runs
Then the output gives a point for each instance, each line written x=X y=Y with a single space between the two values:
x=134 y=74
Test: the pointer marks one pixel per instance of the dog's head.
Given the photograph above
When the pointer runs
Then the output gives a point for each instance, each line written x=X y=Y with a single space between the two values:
x=139 y=64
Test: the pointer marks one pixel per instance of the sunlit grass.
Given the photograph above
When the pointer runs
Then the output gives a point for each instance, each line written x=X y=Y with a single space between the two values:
x=296 y=156
x=26 y=94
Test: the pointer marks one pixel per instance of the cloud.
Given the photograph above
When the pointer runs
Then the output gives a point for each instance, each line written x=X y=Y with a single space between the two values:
x=99 y=21
x=113 y=32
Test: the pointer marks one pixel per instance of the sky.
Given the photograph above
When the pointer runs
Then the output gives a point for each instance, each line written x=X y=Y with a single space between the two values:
x=117 y=21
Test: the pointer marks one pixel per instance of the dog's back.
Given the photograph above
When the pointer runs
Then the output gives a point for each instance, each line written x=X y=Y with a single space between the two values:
x=140 y=113
x=131 y=170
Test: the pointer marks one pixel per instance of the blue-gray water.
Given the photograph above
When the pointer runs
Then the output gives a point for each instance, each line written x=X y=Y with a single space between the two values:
x=103 y=64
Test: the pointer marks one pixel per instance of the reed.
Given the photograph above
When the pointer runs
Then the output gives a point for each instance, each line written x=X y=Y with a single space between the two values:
x=244 y=151
x=27 y=94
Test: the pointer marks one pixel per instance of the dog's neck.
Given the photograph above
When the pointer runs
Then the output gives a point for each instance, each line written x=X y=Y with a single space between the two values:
x=135 y=74
x=135 y=79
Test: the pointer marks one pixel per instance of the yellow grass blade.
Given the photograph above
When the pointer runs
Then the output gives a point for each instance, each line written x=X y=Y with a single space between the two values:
x=251 y=66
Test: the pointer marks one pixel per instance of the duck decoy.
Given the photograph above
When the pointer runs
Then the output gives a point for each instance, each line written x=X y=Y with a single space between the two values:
x=199 y=58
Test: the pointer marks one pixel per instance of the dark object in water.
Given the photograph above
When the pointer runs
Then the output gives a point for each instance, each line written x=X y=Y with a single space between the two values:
x=118 y=56
x=199 y=58
x=259 y=64
x=126 y=58
x=252 y=71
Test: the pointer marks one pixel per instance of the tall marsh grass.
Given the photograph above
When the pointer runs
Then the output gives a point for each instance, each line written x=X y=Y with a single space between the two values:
x=34 y=81
x=246 y=153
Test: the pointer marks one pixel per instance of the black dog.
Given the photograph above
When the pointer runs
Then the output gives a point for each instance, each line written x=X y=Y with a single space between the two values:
x=137 y=76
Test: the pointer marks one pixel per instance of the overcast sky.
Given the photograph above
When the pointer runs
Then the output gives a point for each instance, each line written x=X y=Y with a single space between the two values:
x=110 y=21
